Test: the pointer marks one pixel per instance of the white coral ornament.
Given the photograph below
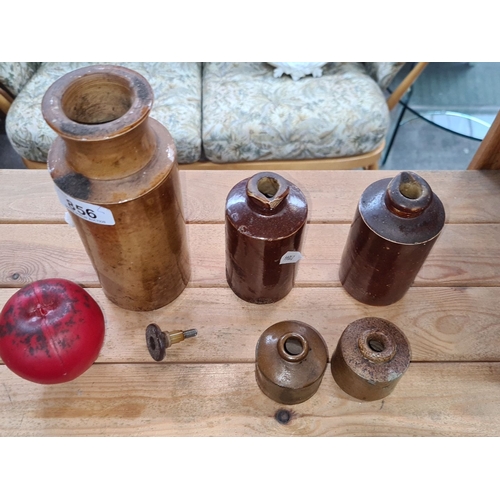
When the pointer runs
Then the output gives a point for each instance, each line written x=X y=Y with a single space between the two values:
x=297 y=70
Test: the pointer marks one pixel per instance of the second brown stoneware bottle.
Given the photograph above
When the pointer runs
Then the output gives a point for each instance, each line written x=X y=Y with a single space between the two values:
x=115 y=171
x=395 y=226
x=265 y=219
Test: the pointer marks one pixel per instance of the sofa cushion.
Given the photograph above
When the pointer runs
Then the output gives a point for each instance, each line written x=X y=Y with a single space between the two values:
x=177 y=105
x=14 y=75
x=249 y=115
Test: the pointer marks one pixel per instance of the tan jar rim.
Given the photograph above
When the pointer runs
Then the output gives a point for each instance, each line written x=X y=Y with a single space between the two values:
x=97 y=102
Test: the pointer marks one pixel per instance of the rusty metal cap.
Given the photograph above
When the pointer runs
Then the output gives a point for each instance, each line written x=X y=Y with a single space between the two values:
x=371 y=356
x=291 y=359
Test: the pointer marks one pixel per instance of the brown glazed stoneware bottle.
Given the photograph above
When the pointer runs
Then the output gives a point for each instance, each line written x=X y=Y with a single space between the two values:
x=290 y=360
x=265 y=218
x=371 y=357
x=115 y=170
x=396 y=224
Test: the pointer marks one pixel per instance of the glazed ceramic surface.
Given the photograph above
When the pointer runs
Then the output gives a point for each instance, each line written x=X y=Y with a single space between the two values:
x=112 y=163
x=395 y=226
x=265 y=218
x=291 y=358
x=371 y=357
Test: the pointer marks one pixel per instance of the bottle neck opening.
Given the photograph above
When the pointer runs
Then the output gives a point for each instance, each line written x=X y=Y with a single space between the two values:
x=408 y=195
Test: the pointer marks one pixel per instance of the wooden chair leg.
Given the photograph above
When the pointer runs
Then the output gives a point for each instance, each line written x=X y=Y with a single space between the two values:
x=34 y=164
x=5 y=101
x=405 y=84
x=352 y=162
x=487 y=156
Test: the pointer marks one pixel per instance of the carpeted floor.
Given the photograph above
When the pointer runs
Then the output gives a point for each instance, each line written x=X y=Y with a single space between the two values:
x=8 y=157
x=471 y=88
x=465 y=87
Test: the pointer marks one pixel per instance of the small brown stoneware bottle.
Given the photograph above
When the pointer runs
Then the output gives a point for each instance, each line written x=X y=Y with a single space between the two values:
x=396 y=224
x=290 y=361
x=115 y=170
x=371 y=357
x=265 y=218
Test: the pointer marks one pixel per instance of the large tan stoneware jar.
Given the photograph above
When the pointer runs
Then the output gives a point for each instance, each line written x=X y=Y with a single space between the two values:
x=115 y=170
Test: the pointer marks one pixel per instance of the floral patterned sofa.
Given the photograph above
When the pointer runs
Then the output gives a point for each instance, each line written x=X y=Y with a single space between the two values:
x=176 y=86
x=246 y=114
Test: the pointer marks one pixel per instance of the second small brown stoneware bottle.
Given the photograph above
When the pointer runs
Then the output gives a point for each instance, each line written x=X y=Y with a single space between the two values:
x=371 y=356
x=395 y=226
x=265 y=219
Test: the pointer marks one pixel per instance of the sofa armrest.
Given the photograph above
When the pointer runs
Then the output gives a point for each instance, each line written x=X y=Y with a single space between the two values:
x=408 y=81
x=15 y=75
x=383 y=72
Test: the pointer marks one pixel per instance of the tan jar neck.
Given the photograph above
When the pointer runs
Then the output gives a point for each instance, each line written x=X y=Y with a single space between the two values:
x=112 y=158
x=101 y=113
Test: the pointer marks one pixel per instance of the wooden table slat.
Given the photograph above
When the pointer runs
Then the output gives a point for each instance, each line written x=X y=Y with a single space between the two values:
x=464 y=255
x=442 y=324
x=29 y=196
x=224 y=400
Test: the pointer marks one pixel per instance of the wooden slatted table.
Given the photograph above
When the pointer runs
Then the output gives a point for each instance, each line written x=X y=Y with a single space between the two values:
x=206 y=386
